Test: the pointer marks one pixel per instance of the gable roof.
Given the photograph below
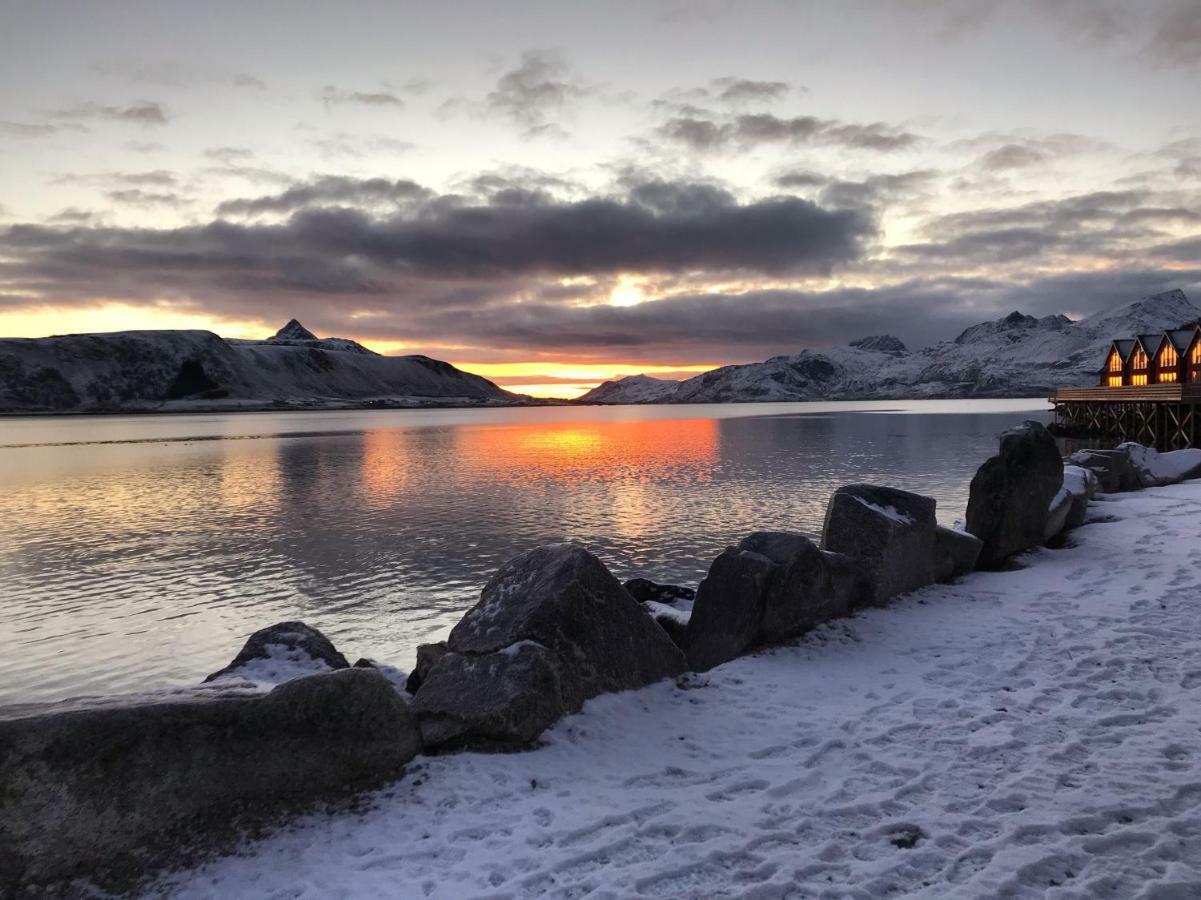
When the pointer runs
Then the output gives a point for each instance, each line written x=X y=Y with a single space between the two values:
x=1124 y=346
x=1182 y=338
x=1150 y=343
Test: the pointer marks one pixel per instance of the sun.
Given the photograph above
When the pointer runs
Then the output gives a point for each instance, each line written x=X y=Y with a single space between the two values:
x=627 y=292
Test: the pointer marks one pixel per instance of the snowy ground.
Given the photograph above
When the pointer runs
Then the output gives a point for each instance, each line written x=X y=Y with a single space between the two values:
x=1021 y=734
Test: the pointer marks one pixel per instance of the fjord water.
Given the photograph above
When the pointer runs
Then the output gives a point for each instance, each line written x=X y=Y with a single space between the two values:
x=139 y=552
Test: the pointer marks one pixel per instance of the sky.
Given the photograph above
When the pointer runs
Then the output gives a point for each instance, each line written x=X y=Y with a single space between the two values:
x=553 y=194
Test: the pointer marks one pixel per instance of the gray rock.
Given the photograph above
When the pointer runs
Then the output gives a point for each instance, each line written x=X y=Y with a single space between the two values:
x=590 y=633
x=799 y=593
x=1057 y=514
x=890 y=531
x=493 y=701
x=290 y=641
x=1113 y=469
x=729 y=608
x=772 y=587
x=644 y=590
x=1081 y=483
x=428 y=656
x=114 y=790
x=674 y=628
x=955 y=552
x=1012 y=492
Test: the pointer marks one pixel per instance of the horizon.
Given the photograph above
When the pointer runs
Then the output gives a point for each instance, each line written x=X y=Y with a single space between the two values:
x=555 y=198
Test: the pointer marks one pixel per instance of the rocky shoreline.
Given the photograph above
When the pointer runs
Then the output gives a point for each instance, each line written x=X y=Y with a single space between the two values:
x=113 y=791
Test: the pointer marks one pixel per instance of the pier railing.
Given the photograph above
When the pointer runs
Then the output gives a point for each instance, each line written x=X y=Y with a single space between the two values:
x=1164 y=416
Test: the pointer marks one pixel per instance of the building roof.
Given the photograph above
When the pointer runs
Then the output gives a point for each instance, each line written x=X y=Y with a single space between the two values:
x=1124 y=346
x=1151 y=342
x=1182 y=338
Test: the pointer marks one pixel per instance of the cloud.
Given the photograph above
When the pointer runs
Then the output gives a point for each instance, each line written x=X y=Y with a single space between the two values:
x=144 y=112
x=243 y=80
x=445 y=253
x=531 y=94
x=334 y=96
x=230 y=156
x=1026 y=152
x=36 y=130
x=328 y=190
x=705 y=135
x=1176 y=38
x=138 y=197
x=747 y=90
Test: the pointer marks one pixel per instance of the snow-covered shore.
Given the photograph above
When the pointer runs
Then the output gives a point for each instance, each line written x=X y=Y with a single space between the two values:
x=1029 y=733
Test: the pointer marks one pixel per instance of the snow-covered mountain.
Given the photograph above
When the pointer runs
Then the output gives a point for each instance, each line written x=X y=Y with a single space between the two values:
x=188 y=370
x=1016 y=356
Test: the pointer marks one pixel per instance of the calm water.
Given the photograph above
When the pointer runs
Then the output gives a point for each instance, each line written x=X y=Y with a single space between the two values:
x=138 y=552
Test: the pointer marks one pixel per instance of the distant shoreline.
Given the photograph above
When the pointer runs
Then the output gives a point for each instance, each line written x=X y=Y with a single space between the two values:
x=532 y=403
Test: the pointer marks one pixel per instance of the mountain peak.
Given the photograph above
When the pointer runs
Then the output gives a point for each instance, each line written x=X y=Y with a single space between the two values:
x=294 y=331
x=881 y=343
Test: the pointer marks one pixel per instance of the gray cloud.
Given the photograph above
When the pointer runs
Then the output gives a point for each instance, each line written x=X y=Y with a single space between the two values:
x=444 y=253
x=138 y=197
x=743 y=131
x=328 y=190
x=334 y=96
x=748 y=90
x=36 y=130
x=1176 y=38
x=532 y=93
x=143 y=112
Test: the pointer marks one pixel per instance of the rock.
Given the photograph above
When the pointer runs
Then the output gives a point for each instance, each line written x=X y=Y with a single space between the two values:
x=1057 y=514
x=955 y=552
x=284 y=650
x=729 y=608
x=771 y=587
x=799 y=593
x=114 y=790
x=1081 y=483
x=427 y=657
x=592 y=637
x=890 y=531
x=493 y=701
x=674 y=627
x=1112 y=468
x=1155 y=469
x=644 y=590
x=1012 y=492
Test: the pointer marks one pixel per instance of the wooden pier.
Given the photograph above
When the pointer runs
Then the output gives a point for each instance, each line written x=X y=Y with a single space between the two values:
x=1164 y=416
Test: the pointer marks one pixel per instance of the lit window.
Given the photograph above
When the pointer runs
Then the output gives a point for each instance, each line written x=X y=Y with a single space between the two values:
x=1114 y=381
x=1138 y=379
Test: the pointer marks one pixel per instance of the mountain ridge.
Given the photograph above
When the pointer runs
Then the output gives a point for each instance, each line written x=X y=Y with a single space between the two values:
x=193 y=370
x=1015 y=356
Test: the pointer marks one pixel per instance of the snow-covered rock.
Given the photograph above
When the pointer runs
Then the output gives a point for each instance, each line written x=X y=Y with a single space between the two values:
x=1017 y=355
x=165 y=370
x=1155 y=469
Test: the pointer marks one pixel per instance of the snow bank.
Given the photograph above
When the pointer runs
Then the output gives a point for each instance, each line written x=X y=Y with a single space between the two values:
x=1025 y=733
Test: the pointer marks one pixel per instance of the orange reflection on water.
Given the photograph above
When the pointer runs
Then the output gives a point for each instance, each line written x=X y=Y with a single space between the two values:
x=600 y=451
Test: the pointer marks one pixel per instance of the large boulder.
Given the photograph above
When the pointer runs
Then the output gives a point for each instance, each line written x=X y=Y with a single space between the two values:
x=113 y=790
x=1057 y=514
x=729 y=608
x=591 y=638
x=1012 y=492
x=1155 y=469
x=1081 y=484
x=771 y=587
x=1112 y=469
x=955 y=552
x=891 y=532
x=282 y=651
x=493 y=701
